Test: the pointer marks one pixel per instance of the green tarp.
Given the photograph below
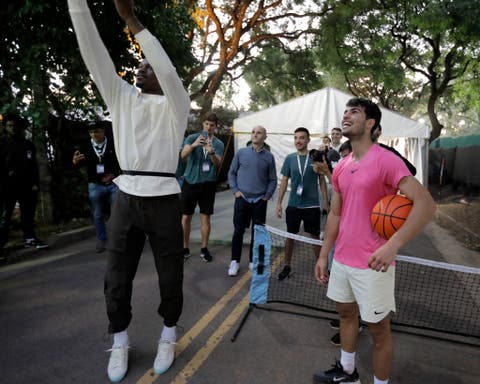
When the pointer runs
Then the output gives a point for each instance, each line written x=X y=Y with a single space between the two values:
x=452 y=142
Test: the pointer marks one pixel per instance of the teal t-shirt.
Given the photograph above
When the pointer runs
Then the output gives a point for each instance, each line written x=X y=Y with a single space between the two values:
x=310 y=196
x=194 y=169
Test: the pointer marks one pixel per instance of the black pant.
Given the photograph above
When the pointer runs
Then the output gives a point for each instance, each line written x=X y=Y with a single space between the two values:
x=134 y=218
x=244 y=213
x=27 y=200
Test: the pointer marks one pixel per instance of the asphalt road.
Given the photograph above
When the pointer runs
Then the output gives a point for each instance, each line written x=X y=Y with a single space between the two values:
x=53 y=327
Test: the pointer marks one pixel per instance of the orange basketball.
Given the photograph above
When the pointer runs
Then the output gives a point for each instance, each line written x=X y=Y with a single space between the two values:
x=389 y=214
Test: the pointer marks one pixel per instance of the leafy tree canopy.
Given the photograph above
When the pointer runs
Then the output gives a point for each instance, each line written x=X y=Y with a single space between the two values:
x=402 y=52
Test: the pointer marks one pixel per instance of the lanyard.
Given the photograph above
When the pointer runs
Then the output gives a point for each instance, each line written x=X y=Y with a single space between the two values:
x=302 y=172
x=99 y=148
x=205 y=153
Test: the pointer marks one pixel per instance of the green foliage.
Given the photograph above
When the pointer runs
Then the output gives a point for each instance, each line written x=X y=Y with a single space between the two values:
x=400 y=53
x=43 y=76
x=356 y=48
x=277 y=75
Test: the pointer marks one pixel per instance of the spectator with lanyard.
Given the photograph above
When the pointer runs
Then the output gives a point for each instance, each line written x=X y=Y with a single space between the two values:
x=202 y=153
x=98 y=155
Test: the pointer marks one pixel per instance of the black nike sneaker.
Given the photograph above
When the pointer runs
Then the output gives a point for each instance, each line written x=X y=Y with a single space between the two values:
x=336 y=375
x=285 y=272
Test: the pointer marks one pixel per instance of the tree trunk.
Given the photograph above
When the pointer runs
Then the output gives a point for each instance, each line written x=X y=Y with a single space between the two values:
x=436 y=125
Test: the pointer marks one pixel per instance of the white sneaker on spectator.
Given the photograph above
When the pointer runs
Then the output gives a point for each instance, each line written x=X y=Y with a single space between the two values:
x=118 y=363
x=165 y=356
x=233 y=269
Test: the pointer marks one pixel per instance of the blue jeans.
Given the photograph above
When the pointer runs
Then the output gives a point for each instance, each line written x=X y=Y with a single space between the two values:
x=245 y=213
x=101 y=197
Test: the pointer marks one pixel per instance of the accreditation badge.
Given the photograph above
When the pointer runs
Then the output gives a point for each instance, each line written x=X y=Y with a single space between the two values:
x=206 y=166
x=100 y=169
x=299 y=189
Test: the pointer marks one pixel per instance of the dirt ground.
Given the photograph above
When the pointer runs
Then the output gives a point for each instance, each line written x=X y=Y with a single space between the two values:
x=461 y=220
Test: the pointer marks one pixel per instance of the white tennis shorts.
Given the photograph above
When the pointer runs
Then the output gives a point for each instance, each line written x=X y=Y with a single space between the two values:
x=374 y=292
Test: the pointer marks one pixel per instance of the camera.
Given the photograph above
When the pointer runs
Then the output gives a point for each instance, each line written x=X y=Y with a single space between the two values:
x=327 y=156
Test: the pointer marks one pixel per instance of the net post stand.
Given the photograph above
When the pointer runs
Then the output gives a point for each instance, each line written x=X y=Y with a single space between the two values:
x=242 y=322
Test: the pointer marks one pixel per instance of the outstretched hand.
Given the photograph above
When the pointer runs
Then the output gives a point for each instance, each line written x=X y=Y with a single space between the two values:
x=125 y=9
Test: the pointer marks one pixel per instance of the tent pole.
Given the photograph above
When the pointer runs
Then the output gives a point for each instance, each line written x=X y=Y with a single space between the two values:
x=427 y=163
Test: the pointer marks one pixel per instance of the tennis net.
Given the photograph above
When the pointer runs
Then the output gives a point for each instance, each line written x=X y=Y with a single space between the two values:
x=429 y=295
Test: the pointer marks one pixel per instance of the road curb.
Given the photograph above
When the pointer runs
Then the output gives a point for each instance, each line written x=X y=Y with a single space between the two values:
x=54 y=242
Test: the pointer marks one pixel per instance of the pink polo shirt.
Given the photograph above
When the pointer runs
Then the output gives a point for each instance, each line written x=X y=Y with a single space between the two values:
x=362 y=184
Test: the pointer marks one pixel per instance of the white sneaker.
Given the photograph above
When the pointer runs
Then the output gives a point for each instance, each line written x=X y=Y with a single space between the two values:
x=165 y=356
x=250 y=267
x=233 y=269
x=118 y=363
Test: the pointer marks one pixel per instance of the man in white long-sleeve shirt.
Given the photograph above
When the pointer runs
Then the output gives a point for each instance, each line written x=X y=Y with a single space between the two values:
x=148 y=126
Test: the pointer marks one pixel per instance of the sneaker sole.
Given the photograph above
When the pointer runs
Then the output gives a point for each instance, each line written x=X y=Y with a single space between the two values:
x=321 y=381
x=115 y=379
x=160 y=372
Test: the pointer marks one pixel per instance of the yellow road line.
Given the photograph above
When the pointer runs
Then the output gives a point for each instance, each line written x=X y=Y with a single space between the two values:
x=196 y=362
x=149 y=377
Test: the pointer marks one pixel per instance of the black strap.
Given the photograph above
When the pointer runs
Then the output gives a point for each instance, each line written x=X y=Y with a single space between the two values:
x=261 y=259
x=148 y=173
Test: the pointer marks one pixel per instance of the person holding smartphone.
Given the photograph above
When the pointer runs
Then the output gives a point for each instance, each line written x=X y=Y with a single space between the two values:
x=202 y=152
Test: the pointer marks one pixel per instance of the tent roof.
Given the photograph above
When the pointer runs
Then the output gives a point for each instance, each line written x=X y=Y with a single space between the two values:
x=320 y=111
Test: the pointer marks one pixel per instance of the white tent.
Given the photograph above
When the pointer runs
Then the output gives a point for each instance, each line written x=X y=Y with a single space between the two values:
x=319 y=112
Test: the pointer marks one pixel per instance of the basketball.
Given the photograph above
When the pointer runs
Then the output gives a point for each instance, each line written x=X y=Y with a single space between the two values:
x=389 y=214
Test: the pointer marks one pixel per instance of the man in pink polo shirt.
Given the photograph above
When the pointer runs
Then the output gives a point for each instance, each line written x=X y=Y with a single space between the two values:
x=362 y=276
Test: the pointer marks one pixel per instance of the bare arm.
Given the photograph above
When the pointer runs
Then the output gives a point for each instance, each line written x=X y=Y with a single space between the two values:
x=331 y=233
x=125 y=9
x=422 y=211
x=321 y=167
x=323 y=190
x=281 y=194
x=188 y=148
x=216 y=159
x=77 y=157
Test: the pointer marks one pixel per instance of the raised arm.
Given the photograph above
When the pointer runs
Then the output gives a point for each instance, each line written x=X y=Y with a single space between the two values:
x=93 y=51
x=125 y=9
